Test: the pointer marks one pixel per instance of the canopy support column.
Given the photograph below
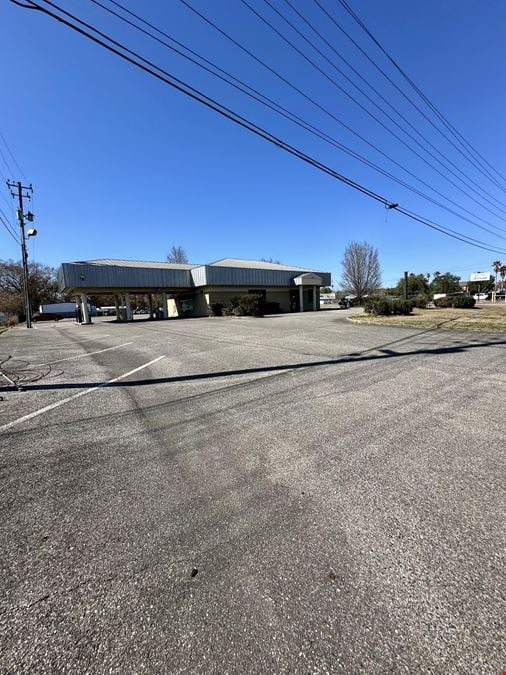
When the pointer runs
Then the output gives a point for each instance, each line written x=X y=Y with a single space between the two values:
x=129 y=315
x=84 y=308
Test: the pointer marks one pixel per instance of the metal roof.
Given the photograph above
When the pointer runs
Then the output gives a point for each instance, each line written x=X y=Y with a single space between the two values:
x=257 y=265
x=138 y=263
x=104 y=275
x=137 y=275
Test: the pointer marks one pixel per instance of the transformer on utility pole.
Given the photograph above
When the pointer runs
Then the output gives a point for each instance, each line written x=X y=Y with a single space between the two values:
x=31 y=233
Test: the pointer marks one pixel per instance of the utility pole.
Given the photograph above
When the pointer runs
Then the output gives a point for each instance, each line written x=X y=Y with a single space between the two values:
x=405 y=287
x=24 y=254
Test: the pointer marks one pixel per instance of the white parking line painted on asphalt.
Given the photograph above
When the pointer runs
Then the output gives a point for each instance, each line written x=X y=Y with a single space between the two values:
x=57 y=404
x=80 y=356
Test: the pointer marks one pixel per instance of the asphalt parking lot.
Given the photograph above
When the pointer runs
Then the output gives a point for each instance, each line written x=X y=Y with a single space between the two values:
x=294 y=494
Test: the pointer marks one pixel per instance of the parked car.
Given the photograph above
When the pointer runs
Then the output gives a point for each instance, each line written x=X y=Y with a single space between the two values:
x=480 y=297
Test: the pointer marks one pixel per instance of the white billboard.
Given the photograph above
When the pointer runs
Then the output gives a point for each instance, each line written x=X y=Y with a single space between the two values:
x=479 y=276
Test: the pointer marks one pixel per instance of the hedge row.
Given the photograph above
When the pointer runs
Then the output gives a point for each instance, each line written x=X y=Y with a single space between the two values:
x=385 y=307
x=244 y=305
x=456 y=301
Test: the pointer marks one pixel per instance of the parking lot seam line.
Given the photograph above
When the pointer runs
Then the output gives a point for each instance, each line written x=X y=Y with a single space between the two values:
x=57 y=404
x=242 y=343
x=80 y=356
x=78 y=342
x=69 y=343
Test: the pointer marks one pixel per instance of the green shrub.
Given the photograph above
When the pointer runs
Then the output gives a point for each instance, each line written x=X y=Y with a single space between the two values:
x=215 y=309
x=231 y=306
x=245 y=305
x=442 y=302
x=377 y=306
x=458 y=301
x=401 y=307
x=385 y=307
x=463 y=301
x=421 y=301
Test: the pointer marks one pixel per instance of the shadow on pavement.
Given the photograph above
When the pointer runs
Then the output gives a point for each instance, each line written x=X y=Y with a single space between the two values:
x=354 y=357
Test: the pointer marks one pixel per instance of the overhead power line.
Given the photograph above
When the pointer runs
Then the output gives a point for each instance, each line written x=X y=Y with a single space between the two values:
x=7 y=201
x=12 y=156
x=254 y=94
x=362 y=107
x=327 y=111
x=9 y=168
x=2 y=194
x=456 y=134
x=5 y=222
x=478 y=165
x=426 y=142
x=9 y=231
x=485 y=172
x=143 y=64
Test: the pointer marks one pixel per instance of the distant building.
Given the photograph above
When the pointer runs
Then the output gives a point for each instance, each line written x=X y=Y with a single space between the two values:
x=65 y=309
x=185 y=290
x=327 y=298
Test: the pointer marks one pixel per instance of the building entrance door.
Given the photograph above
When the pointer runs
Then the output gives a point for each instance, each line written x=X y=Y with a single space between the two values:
x=294 y=300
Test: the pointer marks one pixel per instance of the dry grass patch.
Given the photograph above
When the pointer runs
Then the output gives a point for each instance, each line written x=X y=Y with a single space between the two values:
x=481 y=318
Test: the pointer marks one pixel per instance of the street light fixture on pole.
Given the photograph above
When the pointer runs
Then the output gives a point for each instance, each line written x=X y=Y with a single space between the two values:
x=31 y=233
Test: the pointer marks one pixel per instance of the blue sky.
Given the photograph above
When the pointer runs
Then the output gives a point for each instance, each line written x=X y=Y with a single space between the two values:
x=123 y=166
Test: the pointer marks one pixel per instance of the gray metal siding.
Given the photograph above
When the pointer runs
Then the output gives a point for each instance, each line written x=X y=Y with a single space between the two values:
x=89 y=276
x=239 y=276
x=111 y=276
x=61 y=279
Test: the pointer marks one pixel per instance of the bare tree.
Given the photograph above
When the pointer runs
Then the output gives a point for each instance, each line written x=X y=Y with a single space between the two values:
x=41 y=280
x=361 y=269
x=177 y=254
x=271 y=260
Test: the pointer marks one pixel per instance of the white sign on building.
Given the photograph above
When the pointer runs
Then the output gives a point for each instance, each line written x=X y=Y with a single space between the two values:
x=479 y=276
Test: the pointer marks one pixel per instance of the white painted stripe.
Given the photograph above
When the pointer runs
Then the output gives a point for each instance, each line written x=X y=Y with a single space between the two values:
x=80 y=356
x=57 y=404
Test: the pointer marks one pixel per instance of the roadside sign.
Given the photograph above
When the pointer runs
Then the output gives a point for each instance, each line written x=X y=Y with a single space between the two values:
x=479 y=276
